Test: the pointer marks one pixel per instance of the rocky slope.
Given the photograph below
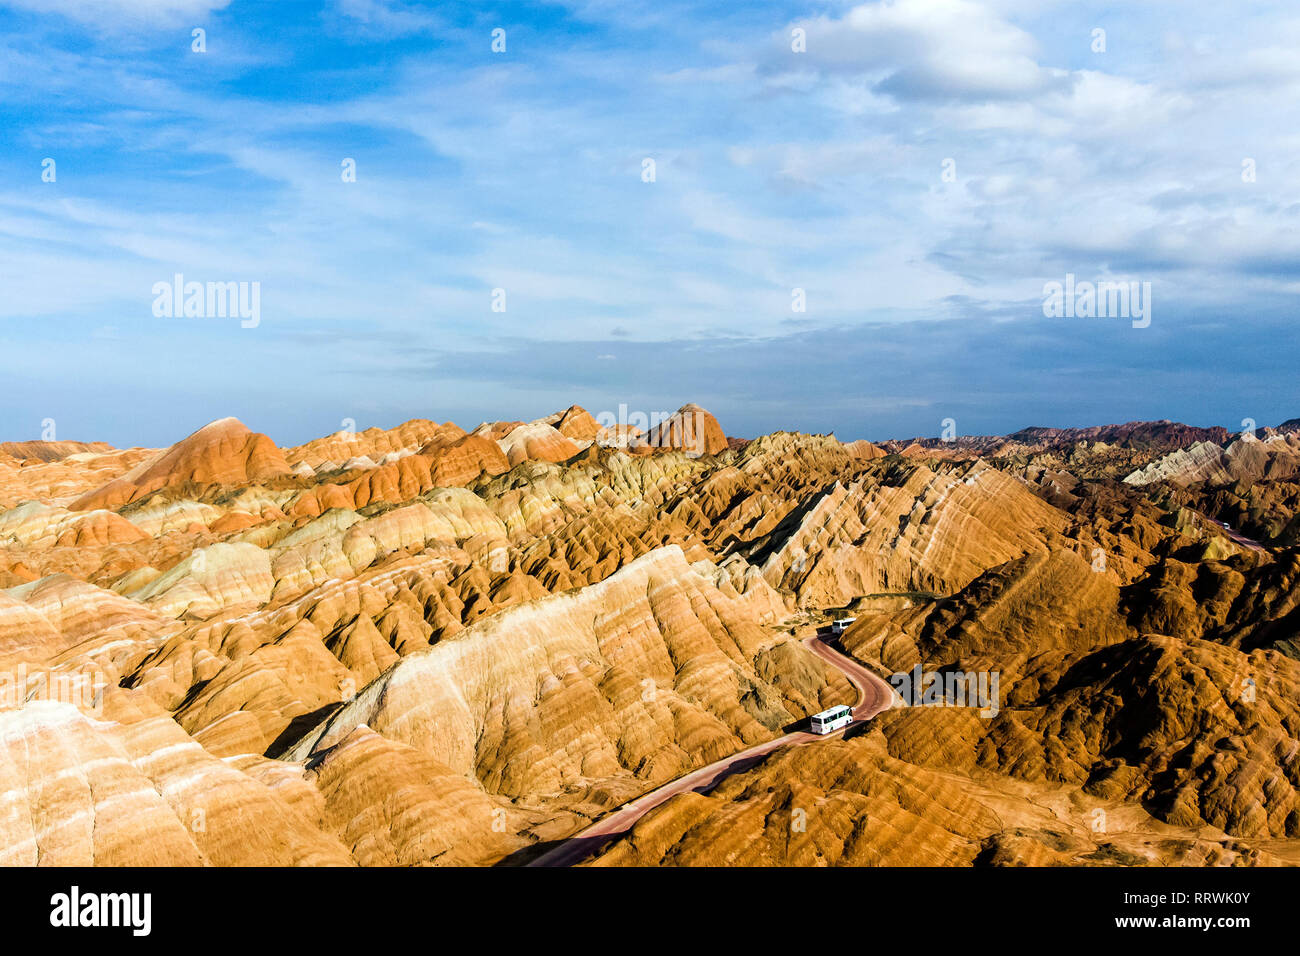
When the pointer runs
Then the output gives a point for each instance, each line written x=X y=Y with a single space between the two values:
x=427 y=645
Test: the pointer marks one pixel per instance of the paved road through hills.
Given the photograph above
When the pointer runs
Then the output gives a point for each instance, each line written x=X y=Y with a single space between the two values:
x=1241 y=539
x=875 y=695
x=1234 y=534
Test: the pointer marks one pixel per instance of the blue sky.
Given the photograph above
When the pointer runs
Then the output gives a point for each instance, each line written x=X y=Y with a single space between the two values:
x=775 y=170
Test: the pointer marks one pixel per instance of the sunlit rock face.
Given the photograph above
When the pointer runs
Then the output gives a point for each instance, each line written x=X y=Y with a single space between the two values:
x=690 y=429
x=223 y=452
x=431 y=646
x=1248 y=459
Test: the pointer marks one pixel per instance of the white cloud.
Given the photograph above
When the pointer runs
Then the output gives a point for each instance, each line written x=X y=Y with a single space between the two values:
x=388 y=17
x=109 y=13
x=927 y=49
x=478 y=173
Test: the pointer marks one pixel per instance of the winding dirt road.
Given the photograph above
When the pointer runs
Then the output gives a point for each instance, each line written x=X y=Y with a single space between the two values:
x=1243 y=540
x=874 y=696
x=1233 y=533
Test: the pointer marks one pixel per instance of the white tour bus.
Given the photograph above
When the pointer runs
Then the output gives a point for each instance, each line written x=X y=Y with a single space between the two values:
x=842 y=624
x=832 y=719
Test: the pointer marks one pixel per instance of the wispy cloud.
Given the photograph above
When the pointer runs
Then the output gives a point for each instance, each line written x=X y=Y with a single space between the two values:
x=920 y=165
x=112 y=14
